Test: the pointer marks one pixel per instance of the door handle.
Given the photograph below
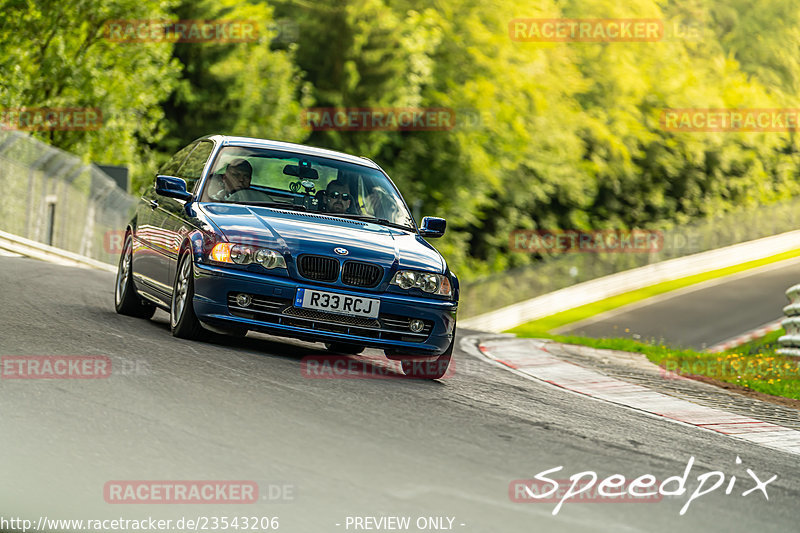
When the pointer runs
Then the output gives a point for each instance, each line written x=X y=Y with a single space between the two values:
x=153 y=204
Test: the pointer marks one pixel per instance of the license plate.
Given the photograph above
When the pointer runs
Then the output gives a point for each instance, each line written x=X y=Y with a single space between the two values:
x=342 y=304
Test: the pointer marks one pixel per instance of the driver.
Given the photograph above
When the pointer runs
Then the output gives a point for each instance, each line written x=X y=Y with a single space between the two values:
x=234 y=184
x=337 y=197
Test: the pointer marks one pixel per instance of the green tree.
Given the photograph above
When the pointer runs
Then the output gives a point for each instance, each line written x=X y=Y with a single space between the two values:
x=240 y=88
x=57 y=55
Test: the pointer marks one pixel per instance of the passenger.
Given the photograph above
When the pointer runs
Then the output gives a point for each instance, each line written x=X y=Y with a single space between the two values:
x=380 y=205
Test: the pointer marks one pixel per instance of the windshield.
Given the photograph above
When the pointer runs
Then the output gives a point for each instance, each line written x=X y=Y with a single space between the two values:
x=294 y=181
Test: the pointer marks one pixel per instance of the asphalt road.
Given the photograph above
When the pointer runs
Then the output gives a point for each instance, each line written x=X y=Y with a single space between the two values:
x=242 y=410
x=704 y=315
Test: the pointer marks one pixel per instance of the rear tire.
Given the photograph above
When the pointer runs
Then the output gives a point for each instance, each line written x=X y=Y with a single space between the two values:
x=182 y=319
x=344 y=348
x=126 y=300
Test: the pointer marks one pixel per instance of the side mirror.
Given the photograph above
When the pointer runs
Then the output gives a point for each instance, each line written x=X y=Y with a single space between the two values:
x=432 y=227
x=172 y=187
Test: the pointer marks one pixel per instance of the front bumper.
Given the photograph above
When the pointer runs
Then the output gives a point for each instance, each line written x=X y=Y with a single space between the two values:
x=273 y=312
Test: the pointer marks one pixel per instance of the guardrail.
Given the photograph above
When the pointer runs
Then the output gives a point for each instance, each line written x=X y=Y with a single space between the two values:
x=56 y=199
x=43 y=252
x=790 y=342
x=637 y=278
x=549 y=273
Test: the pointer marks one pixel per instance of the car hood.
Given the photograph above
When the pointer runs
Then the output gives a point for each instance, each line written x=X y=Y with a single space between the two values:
x=298 y=233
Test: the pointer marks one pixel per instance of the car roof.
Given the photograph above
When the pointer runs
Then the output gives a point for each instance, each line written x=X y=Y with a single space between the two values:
x=251 y=142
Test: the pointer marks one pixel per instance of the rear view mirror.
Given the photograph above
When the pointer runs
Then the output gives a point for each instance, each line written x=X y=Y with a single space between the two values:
x=301 y=171
x=432 y=227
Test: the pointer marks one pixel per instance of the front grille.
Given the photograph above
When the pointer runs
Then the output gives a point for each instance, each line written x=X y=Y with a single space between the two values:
x=319 y=268
x=361 y=274
x=313 y=314
x=280 y=311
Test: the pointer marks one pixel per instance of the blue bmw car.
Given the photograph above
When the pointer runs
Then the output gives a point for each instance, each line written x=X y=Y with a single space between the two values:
x=241 y=234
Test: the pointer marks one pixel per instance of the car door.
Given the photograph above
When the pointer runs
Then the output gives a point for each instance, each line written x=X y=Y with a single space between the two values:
x=178 y=222
x=150 y=262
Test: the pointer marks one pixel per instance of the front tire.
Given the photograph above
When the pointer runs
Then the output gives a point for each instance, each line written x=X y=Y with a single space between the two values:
x=126 y=300
x=435 y=369
x=182 y=319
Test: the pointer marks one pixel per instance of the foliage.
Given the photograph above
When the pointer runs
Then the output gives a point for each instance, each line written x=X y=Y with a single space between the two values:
x=56 y=55
x=237 y=88
x=548 y=135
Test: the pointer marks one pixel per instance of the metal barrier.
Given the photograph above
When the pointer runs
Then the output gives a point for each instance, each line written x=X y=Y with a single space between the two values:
x=598 y=289
x=54 y=198
x=557 y=272
x=790 y=342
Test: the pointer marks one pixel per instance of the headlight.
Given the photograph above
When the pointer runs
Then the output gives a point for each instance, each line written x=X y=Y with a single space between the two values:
x=245 y=254
x=432 y=283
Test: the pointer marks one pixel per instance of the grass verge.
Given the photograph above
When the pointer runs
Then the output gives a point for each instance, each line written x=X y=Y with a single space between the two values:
x=549 y=323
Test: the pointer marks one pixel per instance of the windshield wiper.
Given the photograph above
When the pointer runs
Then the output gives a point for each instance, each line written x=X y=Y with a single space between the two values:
x=370 y=218
x=279 y=205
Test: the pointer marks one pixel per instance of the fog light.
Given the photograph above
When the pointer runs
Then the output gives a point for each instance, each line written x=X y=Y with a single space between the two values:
x=243 y=300
x=416 y=325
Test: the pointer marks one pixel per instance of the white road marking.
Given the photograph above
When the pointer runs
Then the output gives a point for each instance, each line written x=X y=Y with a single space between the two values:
x=529 y=358
x=6 y=253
